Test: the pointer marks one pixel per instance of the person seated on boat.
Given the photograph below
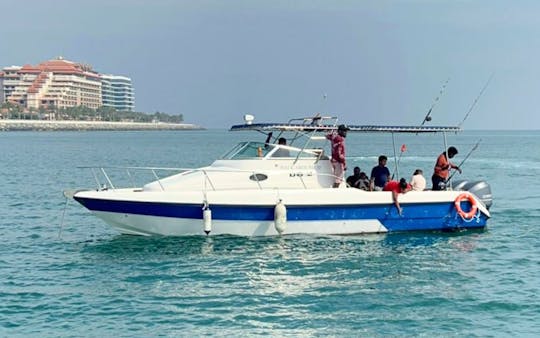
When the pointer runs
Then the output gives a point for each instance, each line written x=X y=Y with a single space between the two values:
x=396 y=188
x=338 y=153
x=418 y=182
x=379 y=175
x=364 y=181
x=358 y=180
x=442 y=169
x=280 y=152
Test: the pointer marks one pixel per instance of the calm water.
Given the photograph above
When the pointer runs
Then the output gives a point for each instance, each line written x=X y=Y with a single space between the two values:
x=94 y=282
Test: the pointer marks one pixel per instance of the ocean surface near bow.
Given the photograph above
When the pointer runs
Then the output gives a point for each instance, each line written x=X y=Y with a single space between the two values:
x=94 y=282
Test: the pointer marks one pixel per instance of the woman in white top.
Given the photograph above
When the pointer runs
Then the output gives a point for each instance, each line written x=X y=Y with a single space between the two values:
x=418 y=182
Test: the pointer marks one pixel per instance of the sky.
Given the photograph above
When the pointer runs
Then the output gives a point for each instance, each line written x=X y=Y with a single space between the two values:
x=367 y=62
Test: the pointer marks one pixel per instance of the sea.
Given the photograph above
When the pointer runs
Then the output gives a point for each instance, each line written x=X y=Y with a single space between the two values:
x=73 y=276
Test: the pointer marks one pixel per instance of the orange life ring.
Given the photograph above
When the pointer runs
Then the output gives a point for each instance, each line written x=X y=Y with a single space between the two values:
x=474 y=205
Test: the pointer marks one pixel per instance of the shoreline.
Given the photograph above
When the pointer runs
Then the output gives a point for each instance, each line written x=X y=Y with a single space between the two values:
x=46 y=125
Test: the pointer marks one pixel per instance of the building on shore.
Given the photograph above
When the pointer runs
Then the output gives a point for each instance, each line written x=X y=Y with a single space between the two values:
x=1 y=86
x=117 y=92
x=9 y=79
x=61 y=83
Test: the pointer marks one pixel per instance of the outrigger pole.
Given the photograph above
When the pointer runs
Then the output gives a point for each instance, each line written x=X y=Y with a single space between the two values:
x=402 y=149
x=465 y=159
x=476 y=100
x=395 y=156
x=427 y=118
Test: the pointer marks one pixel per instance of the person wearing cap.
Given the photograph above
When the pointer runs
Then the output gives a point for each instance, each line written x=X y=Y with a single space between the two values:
x=442 y=168
x=338 y=153
x=396 y=188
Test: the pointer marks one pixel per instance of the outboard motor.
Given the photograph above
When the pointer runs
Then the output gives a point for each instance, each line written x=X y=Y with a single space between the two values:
x=480 y=189
x=459 y=184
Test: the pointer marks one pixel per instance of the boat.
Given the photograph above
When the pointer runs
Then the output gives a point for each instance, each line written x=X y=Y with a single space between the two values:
x=255 y=190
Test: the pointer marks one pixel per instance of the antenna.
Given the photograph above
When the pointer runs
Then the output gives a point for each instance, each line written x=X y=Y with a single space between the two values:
x=427 y=118
x=323 y=104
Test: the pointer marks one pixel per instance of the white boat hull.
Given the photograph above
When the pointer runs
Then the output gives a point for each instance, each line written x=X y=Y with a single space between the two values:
x=251 y=212
x=131 y=224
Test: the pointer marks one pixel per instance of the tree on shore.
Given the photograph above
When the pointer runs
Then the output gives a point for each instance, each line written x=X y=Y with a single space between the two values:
x=112 y=115
x=14 y=110
x=83 y=113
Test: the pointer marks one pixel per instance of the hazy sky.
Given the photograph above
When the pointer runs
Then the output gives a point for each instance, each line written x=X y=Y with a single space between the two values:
x=378 y=62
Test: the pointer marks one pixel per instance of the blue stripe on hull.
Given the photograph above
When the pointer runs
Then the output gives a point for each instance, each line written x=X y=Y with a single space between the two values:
x=425 y=216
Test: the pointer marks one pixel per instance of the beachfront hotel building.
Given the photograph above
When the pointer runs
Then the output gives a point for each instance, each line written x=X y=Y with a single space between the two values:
x=1 y=87
x=117 y=92
x=9 y=79
x=60 y=83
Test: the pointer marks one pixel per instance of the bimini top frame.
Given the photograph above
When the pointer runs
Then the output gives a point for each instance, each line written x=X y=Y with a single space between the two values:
x=309 y=126
x=320 y=124
x=266 y=127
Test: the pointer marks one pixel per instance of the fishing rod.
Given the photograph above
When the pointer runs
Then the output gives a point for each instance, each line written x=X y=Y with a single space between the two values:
x=476 y=100
x=427 y=118
x=465 y=159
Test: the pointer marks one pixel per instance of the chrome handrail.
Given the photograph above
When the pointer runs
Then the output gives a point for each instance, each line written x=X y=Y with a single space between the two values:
x=107 y=178
x=205 y=171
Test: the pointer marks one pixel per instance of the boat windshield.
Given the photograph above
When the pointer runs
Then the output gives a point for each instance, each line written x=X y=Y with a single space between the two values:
x=250 y=150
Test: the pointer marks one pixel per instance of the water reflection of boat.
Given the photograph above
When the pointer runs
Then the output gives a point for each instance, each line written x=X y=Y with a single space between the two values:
x=251 y=192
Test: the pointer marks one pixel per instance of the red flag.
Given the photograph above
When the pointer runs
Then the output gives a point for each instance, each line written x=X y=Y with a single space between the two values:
x=403 y=148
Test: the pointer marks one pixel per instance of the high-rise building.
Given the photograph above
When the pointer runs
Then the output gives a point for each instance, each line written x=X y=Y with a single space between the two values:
x=61 y=83
x=1 y=87
x=58 y=83
x=9 y=78
x=117 y=92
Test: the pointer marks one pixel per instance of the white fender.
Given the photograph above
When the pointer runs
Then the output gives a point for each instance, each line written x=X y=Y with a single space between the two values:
x=280 y=217
x=207 y=220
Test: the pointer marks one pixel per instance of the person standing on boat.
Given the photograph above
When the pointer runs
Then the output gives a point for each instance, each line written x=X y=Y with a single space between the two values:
x=338 y=153
x=442 y=168
x=396 y=188
x=379 y=175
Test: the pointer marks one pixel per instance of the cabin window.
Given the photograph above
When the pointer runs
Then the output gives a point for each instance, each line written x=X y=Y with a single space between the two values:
x=252 y=150
x=246 y=150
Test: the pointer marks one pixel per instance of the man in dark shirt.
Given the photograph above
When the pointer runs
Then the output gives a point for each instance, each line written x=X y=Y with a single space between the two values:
x=379 y=175
x=359 y=180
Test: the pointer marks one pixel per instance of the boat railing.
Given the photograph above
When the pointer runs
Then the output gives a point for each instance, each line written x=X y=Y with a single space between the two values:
x=104 y=180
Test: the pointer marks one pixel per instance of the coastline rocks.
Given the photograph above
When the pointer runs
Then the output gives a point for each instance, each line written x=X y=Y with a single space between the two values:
x=21 y=125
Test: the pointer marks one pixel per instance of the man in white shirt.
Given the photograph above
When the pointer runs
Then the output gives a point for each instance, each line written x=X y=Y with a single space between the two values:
x=418 y=182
